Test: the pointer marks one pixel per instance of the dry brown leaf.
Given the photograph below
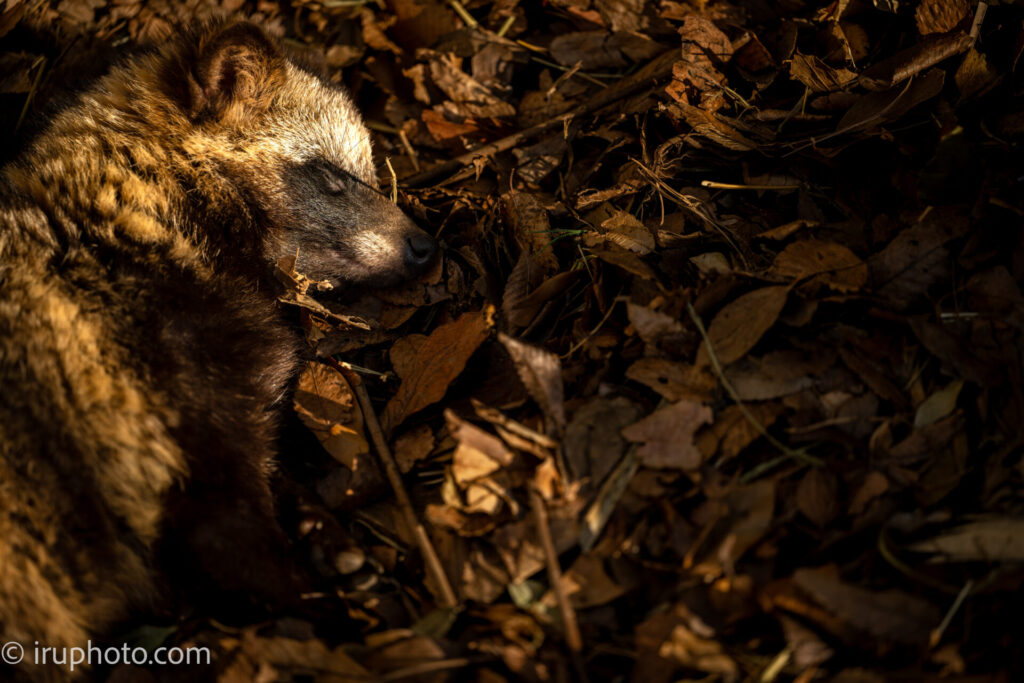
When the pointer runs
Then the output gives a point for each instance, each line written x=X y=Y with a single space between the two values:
x=477 y=469
x=939 y=405
x=819 y=76
x=654 y=326
x=699 y=652
x=997 y=539
x=876 y=108
x=466 y=96
x=667 y=436
x=890 y=615
x=436 y=362
x=674 y=381
x=916 y=259
x=541 y=373
x=910 y=62
x=400 y=648
x=712 y=126
x=629 y=233
x=740 y=324
x=256 y=653
x=528 y=221
x=776 y=374
x=817 y=496
x=732 y=431
x=941 y=16
x=593 y=444
x=628 y=261
x=833 y=265
x=404 y=352
x=413 y=446
x=976 y=75
x=588 y=584
x=600 y=49
x=874 y=485
x=325 y=403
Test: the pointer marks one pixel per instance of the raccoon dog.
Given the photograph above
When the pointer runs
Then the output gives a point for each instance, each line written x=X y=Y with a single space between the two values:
x=142 y=357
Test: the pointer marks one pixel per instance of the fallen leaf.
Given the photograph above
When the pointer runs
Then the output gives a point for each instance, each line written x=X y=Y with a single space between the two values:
x=940 y=16
x=890 y=615
x=629 y=233
x=413 y=446
x=588 y=584
x=667 y=436
x=325 y=403
x=674 y=381
x=819 y=76
x=997 y=539
x=817 y=496
x=732 y=430
x=831 y=264
x=593 y=444
x=541 y=373
x=435 y=363
x=739 y=325
x=938 y=405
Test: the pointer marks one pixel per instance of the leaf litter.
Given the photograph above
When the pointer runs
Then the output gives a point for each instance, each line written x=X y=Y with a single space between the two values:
x=719 y=376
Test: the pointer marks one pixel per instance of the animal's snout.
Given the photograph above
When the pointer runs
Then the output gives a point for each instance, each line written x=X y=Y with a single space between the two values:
x=420 y=250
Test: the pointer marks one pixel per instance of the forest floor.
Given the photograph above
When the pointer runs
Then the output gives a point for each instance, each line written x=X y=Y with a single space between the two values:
x=719 y=378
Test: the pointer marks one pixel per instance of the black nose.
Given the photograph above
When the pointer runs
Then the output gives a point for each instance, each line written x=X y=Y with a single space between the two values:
x=420 y=250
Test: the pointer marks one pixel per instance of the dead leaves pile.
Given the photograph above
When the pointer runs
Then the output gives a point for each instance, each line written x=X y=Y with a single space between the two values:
x=720 y=375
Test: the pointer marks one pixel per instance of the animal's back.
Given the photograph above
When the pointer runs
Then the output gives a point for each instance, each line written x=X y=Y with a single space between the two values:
x=85 y=454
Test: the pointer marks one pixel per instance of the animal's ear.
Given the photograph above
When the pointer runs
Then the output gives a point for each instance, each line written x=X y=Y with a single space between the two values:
x=233 y=70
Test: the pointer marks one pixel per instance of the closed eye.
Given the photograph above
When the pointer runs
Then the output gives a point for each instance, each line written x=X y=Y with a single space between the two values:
x=336 y=181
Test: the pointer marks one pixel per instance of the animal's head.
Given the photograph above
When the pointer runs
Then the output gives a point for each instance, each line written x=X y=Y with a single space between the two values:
x=296 y=150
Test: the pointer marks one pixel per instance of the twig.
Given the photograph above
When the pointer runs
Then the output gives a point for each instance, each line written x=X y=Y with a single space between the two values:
x=646 y=77
x=754 y=422
x=614 y=485
x=572 y=71
x=936 y=635
x=466 y=17
x=41 y=62
x=509 y=20
x=384 y=376
x=409 y=149
x=908 y=571
x=381 y=127
x=540 y=519
x=732 y=186
x=979 y=19
x=418 y=670
x=433 y=564
x=394 y=180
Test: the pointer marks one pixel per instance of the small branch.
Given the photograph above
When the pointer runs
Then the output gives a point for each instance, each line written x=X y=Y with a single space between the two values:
x=572 y=629
x=409 y=150
x=464 y=14
x=41 y=63
x=433 y=564
x=936 y=636
x=394 y=181
x=509 y=20
x=731 y=186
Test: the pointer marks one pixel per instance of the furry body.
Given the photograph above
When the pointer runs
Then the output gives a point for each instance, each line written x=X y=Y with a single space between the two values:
x=141 y=353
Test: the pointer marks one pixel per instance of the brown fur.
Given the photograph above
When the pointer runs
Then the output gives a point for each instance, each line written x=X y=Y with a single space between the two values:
x=141 y=354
